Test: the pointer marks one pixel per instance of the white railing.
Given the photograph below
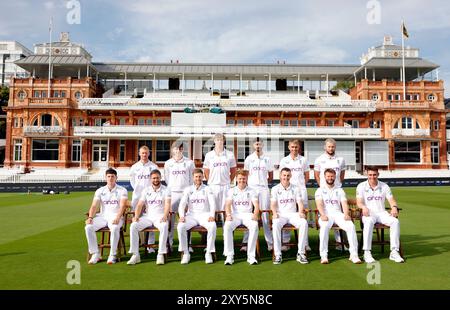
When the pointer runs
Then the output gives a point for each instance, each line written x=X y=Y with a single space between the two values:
x=236 y=131
x=448 y=135
x=42 y=130
x=234 y=104
x=410 y=132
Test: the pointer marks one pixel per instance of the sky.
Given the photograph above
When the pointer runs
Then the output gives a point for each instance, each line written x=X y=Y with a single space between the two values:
x=233 y=31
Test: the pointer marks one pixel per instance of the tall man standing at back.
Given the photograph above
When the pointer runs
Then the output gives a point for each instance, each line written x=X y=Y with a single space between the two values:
x=178 y=176
x=220 y=169
x=140 y=179
x=299 y=167
x=329 y=159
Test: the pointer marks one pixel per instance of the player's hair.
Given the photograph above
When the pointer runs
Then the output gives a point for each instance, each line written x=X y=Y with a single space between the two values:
x=242 y=172
x=197 y=170
x=294 y=141
x=257 y=139
x=178 y=145
x=155 y=171
x=110 y=171
x=285 y=169
x=330 y=140
x=219 y=136
x=329 y=170
x=372 y=168
x=144 y=147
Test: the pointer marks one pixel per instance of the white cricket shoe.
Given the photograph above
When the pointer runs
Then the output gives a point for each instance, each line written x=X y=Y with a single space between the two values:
x=252 y=261
x=208 y=258
x=95 y=258
x=395 y=256
x=307 y=248
x=229 y=260
x=270 y=247
x=186 y=258
x=160 y=259
x=135 y=259
x=112 y=259
x=191 y=250
x=368 y=258
x=354 y=259
x=324 y=260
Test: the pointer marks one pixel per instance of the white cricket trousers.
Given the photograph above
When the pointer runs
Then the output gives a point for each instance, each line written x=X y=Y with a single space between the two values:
x=192 y=220
x=264 y=204
x=134 y=203
x=148 y=221
x=219 y=193
x=240 y=219
x=304 y=193
x=99 y=222
x=175 y=202
x=347 y=226
x=294 y=219
x=386 y=219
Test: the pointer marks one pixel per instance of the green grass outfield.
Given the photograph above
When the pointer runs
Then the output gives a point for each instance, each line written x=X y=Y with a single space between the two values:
x=40 y=234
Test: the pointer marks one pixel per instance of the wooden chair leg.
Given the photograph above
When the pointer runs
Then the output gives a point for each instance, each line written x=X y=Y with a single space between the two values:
x=382 y=240
x=258 y=255
x=103 y=243
x=341 y=235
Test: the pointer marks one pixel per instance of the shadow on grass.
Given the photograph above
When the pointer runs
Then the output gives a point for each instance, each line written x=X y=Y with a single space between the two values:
x=12 y=254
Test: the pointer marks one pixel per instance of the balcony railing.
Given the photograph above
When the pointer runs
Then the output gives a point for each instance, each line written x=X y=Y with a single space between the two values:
x=235 y=131
x=448 y=136
x=410 y=132
x=234 y=104
x=42 y=131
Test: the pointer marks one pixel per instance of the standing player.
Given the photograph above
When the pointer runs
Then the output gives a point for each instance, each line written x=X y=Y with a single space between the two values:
x=283 y=202
x=178 y=175
x=156 y=200
x=220 y=170
x=140 y=179
x=329 y=159
x=112 y=199
x=201 y=210
x=299 y=167
x=260 y=169
x=241 y=208
x=370 y=197
x=329 y=199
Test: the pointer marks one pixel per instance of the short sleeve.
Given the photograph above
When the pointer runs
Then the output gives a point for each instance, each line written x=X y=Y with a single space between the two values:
x=207 y=163
x=360 y=191
x=231 y=160
x=247 y=163
x=306 y=166
x=342 y=164
x=318 y=194
x=317 y=164
x=273 y=194
x=97 y=194
x=389 y=194
x=229 y=195
x=342 y=195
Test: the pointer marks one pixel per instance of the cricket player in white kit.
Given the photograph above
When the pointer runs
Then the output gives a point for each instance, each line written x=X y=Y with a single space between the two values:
x=178 y=176
x=199 y=201
x=285 y=198
x=329 y=199
x=112 y=199
x=329 y=159
x=140 y=179
x=260 y=173
x=156 y=200
x=370 y=197
x=300 y=176
x=220 y=170
x=241 y=208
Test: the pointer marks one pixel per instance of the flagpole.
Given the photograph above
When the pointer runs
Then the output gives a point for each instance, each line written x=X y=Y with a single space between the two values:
x=50 y=58
x=403 y=61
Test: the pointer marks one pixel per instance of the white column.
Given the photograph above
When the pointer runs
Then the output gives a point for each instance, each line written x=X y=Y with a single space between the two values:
x=373 y=75
x=365 y=73
x=183 y=85
x=270 y=85
x=154 y=82
x=328 y=86
x=212 y=83
x=125 y=82
x=298 y=84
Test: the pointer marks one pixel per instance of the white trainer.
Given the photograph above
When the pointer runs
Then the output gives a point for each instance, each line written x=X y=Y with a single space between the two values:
x=160 y=259
x=368 y=258
x=252 y=261
x=186 y=258
x=270 y=247
x=191 y=250
x=95 y=258
x=135 y=259
x=112 y=259
x=208 y=258
x=395 y=256
x=355 y=259
x=308 y=248
x=324 y=260
x=229 y=260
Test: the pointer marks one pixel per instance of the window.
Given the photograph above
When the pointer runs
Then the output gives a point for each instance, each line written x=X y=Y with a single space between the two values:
x=412 y=97
x=286 y=122
x=407 y=123
x=407 y=152
x=431 y=97
x=435 y=125
x=162 y=150
x=78 y=95
x=17 y=122
x=18 y=150
x=22 y=94
x=312 y=123
x=56 y=93
x=44 y=94
x=330 y=123
x=355 y=123
x=77 y=121
x=63 y=94
x=45 y=149
x=46 y=120
x=243 y=150
x=375 y=97
x=76 y=150
x=159 y=122
x=230 y=122
x=268 y=122
x=36 y=94
x=240 y=122
x=393 y=97
x=99 y=121
x=122 y=121
x=166 y=122
x=303 y=123
x=248 y=122
x=375 y=124
x=141 y=122
x=435 y=153
x=149 y=144
x=122 y=150
x=294 y=122
x=276 y=122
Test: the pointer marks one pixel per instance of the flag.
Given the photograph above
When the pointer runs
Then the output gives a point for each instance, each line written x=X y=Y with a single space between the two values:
x=404 y=31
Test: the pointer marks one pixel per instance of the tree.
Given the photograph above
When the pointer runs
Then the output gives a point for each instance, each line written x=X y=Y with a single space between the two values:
x=4 y=96
x=344 y=85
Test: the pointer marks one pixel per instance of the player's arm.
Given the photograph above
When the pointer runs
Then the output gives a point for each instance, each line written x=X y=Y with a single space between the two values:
x=212 y=206
x=132 y=178
x=255 y=209
x=167 y=205
x=317 y=177
x=93 y=210
x=182 y=206
x=301 y=209
x=342 y=176
x=228 y=210
x=232 y=174
x=123 y=207
x=270 y=177
x=344 y=205
x=320 y=208
x=393 y=204
x=138 y=210
x=273 y=208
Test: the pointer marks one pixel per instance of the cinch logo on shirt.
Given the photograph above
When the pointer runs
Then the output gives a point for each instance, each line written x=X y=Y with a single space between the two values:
x=374 y=198
x=178 y=172
x=288 y=200
x=296 y=169
x=155 y=202
x=144 y=176
x=222 y=164
x=111 y=202
x=259 y=168
x=198 y=200
x=332 y=201
x=242 y=203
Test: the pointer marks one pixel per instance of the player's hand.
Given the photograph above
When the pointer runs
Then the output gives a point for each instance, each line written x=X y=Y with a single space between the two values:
x=347 y=217
x=211 y=219
x=229 y=218
x=254 y=217
x=164 y=219
x=116 y=220
x=394 y=211
x=365 y=211
x=275 y=215
x=135 y=219
x=324 y=218
x=302 y=215
x=89 y=221
x=181 y=219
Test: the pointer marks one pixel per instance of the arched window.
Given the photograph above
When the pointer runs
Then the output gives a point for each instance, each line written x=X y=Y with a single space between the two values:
x=22 y=94
x=407 y=122
x=78 y=95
